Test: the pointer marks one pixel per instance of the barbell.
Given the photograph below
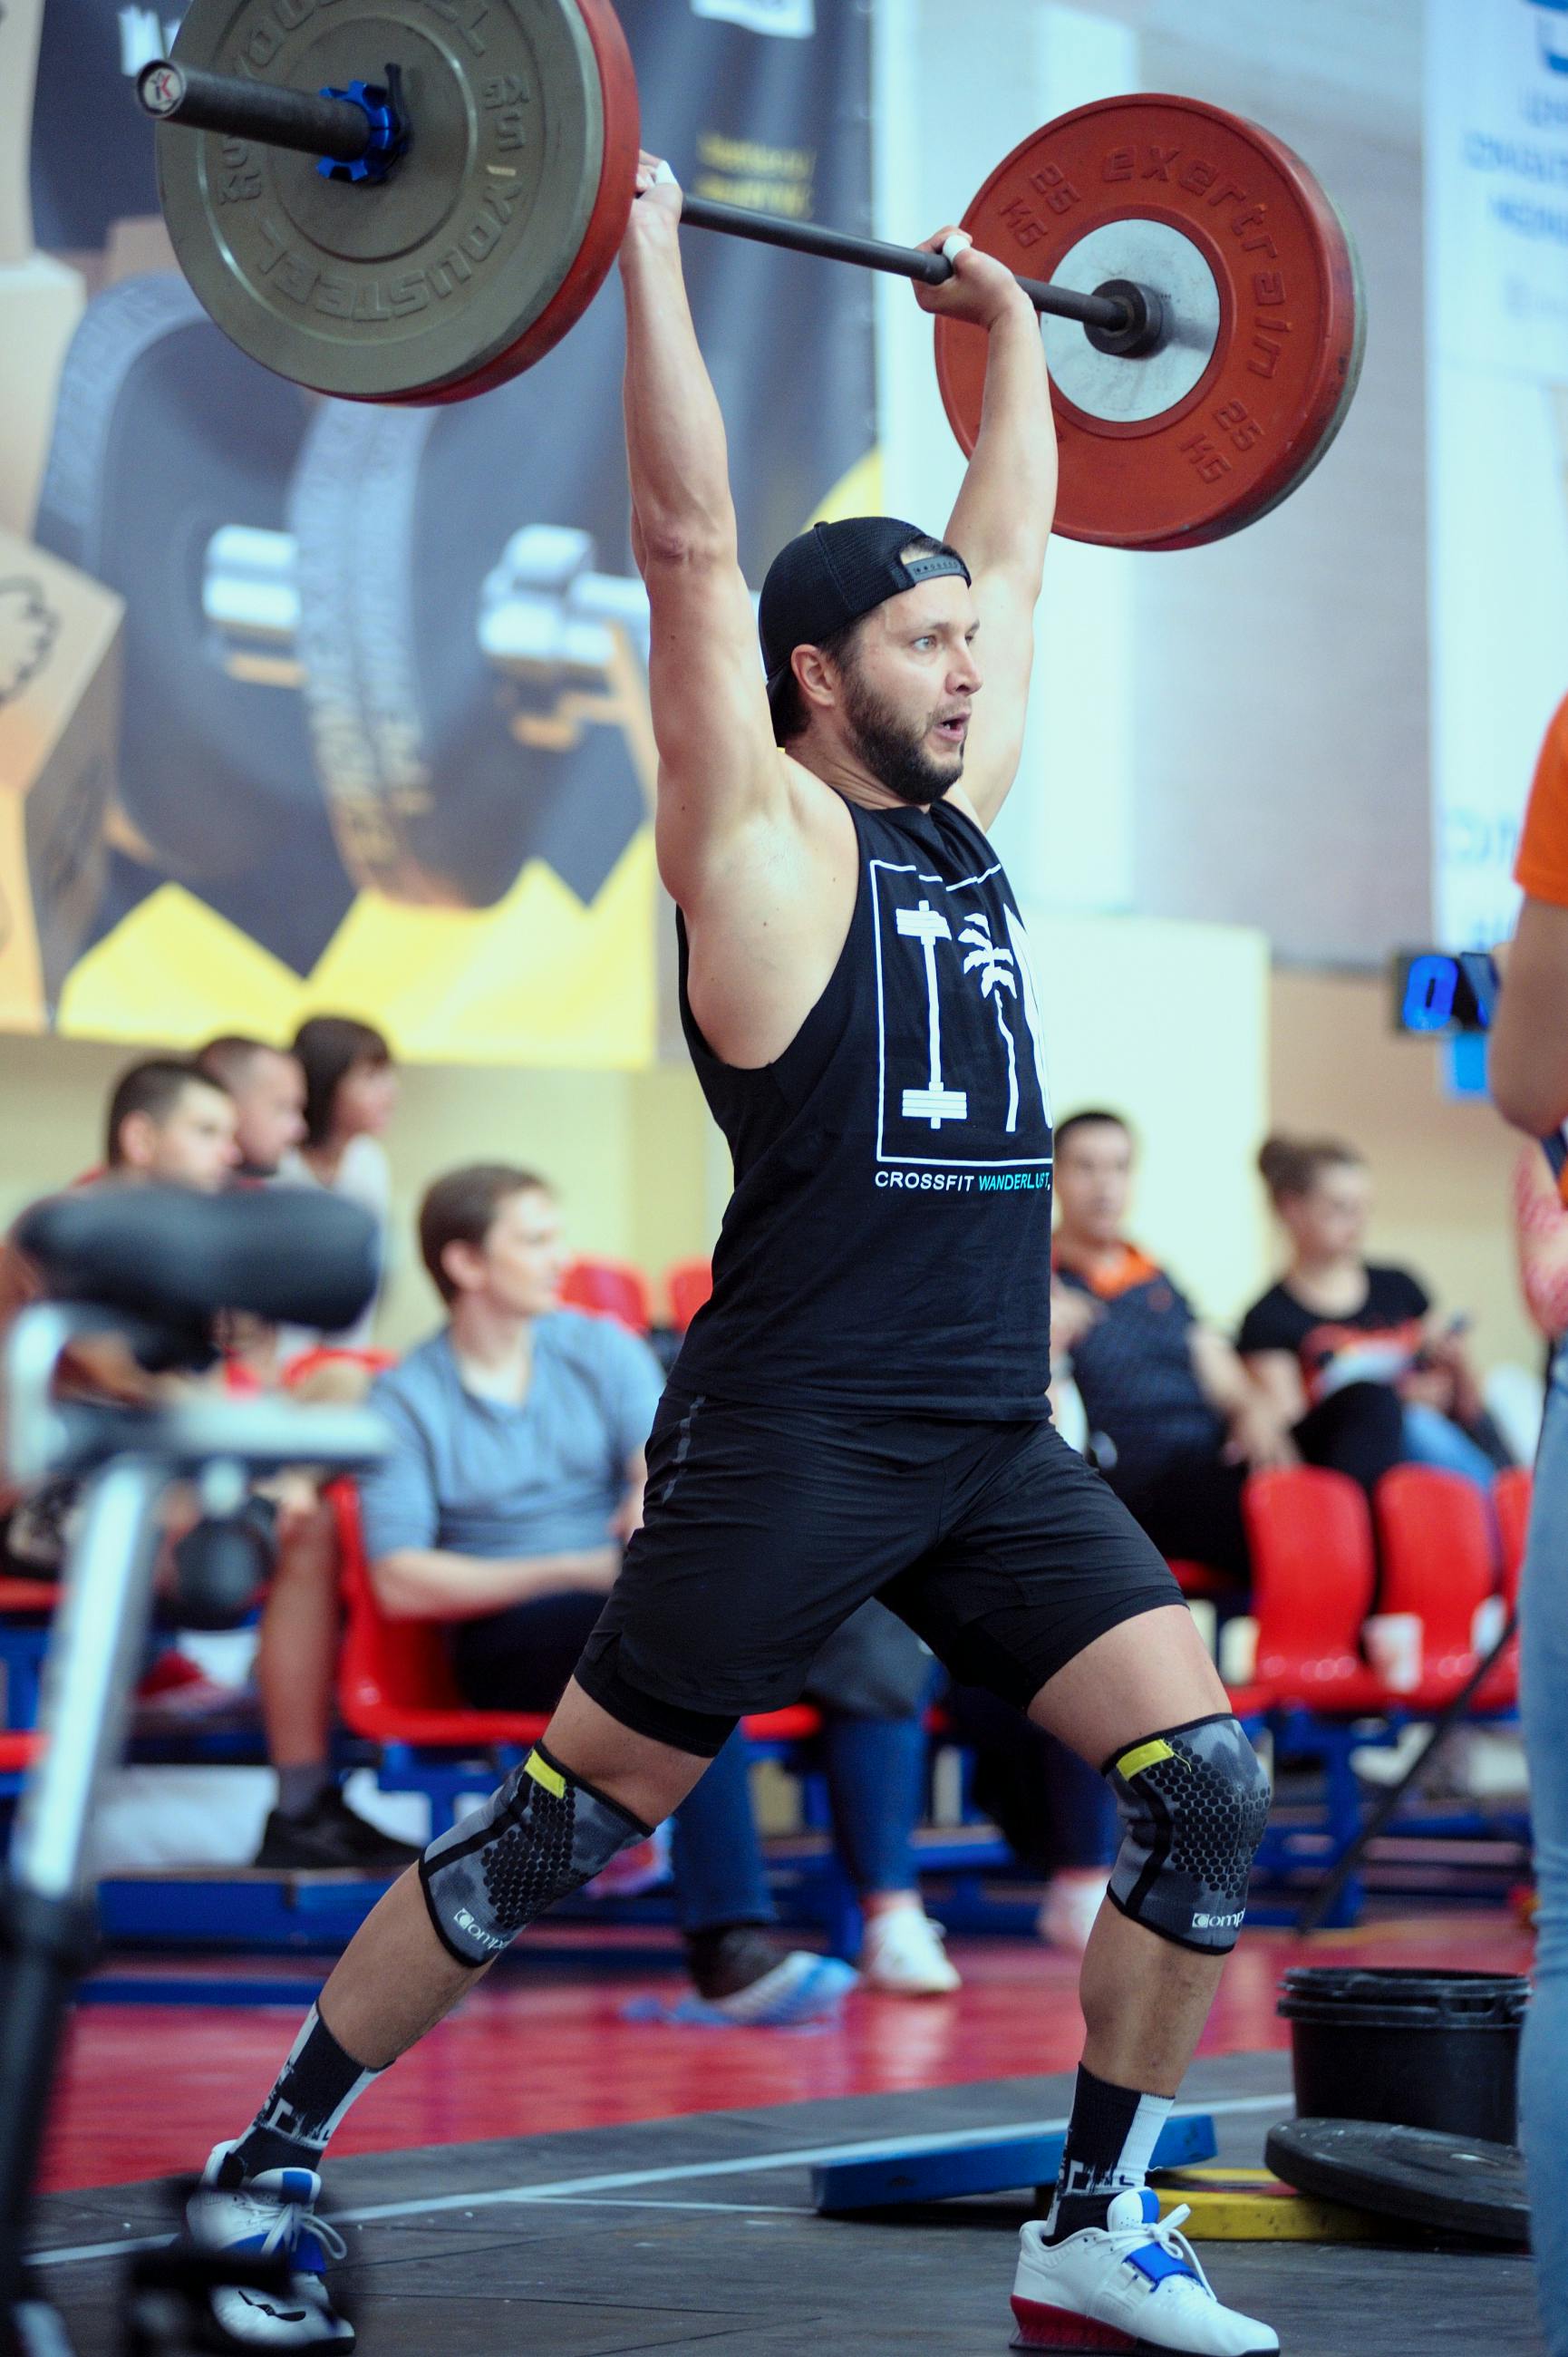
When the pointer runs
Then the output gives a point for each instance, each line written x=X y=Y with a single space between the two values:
x=415 y=203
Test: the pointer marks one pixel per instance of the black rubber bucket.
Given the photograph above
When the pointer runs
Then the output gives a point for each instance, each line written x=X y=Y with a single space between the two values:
x=1419 y=2050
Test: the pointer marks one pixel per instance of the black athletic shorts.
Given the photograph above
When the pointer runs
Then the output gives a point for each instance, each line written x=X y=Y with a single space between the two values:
x=766 y=1527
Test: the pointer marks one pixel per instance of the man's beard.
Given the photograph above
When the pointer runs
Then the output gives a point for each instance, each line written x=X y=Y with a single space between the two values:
x=893 y=750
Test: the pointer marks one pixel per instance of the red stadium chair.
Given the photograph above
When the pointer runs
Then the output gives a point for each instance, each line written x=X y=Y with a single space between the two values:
x=326 y=1358
x=1510 y=1502
x=1510 y=1505
x=27 y=1612
x=613 y=1289
x=1310 y=1536
x=395 y=1682
x=1435 y=1540
x=689 y=1283
x=1198 y=1579
x=29 y=1597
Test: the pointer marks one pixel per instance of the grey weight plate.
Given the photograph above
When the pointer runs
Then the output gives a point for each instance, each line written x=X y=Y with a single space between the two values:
x=376 y=290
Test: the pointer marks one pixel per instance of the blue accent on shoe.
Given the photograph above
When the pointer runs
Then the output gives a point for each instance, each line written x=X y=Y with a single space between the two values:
x=812 y=2003
x=1151 y=2202
x=1155 y=2262
x=307 y=2257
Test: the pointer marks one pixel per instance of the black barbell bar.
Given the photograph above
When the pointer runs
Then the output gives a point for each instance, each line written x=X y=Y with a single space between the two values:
x=1130 y=321
x=330 y=128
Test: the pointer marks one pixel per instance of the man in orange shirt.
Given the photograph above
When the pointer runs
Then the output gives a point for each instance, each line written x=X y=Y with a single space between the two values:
x=1176 y=1421
x=1530 y=1083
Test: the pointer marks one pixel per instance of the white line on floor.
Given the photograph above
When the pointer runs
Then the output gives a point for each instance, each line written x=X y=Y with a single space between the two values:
x=722 y=2209
x=746 y=2164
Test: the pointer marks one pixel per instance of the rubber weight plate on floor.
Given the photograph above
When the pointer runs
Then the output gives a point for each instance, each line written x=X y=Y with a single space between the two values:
x=1263 y=347
x=1464 y=2185
x=164 y=432
x=399 y=516
x=482 y=245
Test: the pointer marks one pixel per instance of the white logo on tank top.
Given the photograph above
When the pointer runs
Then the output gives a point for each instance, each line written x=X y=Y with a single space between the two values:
x=961 y=1072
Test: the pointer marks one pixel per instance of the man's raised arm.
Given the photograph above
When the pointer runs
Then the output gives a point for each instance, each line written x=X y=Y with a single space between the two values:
x=1003 y=514
x=719 y=767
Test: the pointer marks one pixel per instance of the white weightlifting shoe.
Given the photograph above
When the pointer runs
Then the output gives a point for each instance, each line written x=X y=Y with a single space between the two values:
x=273 y=2215
x=903 y=1955
x=1133 y=2285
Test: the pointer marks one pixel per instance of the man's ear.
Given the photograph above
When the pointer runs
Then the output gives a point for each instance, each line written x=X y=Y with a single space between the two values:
x=137 y=1140
x=460 y=1264
x=816 y=677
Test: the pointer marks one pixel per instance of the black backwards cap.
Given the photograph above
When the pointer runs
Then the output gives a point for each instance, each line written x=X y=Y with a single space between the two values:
x=829 y=577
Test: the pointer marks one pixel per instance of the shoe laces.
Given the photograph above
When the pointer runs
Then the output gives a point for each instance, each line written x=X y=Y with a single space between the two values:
x=291 y=2222
x=1127 y=2241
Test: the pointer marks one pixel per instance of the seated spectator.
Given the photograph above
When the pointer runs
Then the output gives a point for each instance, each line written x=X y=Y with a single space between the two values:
x=1347 y=1351
x=350 y=1095
x=172 y=1124
x=1174 y=1422
x=515 y=1482
x=168 y=1124
x=1054 y=1811
x=872 y=1682
x=267 y=1086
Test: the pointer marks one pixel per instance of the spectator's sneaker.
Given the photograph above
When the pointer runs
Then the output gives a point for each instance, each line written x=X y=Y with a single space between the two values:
x=273 y=2215
x=1070 y=1907
x=742 y=1975
x=903 y=1955
x=1134 y=2284
x=331 y=1839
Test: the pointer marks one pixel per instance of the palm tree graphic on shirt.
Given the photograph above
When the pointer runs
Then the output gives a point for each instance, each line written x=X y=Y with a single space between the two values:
x=993 y=969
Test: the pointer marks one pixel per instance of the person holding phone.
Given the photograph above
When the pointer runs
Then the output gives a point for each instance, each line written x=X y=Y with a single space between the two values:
x=1529 y=1074
x=1346 y=1350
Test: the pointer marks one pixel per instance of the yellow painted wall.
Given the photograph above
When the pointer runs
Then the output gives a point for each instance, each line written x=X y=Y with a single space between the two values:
x=1178 y=1027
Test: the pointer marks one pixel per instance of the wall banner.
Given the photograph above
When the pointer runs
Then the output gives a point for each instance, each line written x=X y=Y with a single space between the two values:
x=371 y=732
x=1497 y=294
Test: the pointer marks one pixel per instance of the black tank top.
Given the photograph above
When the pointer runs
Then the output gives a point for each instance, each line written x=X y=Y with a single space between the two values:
x=887 y=1244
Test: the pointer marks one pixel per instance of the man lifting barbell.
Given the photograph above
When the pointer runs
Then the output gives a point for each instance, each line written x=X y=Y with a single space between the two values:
x=860 y=1410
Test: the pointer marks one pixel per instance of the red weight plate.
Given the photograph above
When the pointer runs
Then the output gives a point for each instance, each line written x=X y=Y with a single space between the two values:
x=1287 y=350
x=606 y=224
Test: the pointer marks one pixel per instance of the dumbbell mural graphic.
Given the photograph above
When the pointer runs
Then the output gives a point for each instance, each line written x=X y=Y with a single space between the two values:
x=454 y=713
x=566 y=647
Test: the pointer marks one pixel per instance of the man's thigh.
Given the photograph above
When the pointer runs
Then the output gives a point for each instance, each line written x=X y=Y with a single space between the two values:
x=1041 y=1569
x=1144 y=1676
x=764 y=1530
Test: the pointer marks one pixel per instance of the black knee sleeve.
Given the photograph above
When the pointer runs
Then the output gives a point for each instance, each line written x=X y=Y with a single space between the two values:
x=542 y=1835
x=1193 y=1802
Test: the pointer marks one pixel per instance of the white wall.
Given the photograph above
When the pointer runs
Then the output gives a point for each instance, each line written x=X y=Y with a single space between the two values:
x=1237 y=733
x=954 y=91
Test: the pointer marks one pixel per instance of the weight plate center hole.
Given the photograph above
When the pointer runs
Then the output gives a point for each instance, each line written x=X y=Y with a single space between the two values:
x=377 y=222
x=1128 y=387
